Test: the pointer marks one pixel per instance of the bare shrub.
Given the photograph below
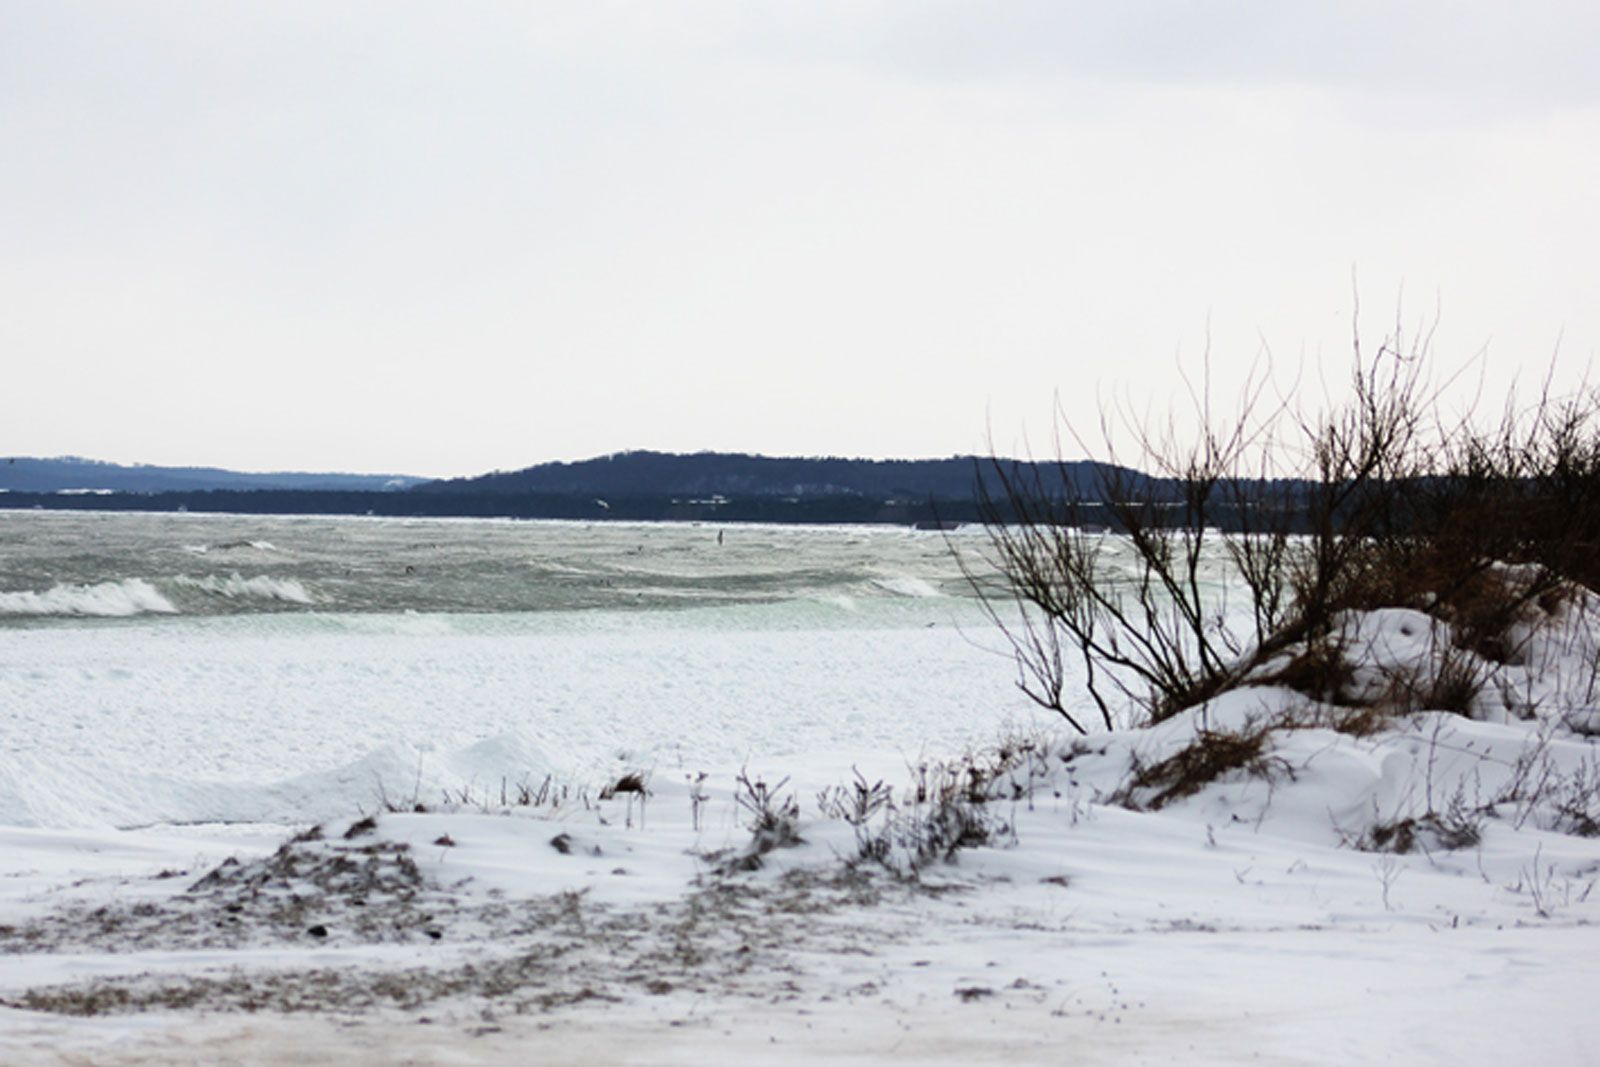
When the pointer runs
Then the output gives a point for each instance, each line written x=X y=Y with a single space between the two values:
x=858 y=805
x=948 y=810
x=1145 y=627
x=946 y=807
x=1577 y=802
x=1381 y=502
x=1141 y=627
x=1568 y=803
x=546 y=794
x=774 y=823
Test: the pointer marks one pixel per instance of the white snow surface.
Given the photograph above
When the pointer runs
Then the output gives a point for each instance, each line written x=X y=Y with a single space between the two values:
x=1251 y=920
x=308 y=717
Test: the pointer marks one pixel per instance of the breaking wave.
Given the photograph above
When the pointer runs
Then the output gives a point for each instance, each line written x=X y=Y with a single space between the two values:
x=131 y=596
x=137 y=596
x=907 y=586
x=262 y=586
x=232 y=546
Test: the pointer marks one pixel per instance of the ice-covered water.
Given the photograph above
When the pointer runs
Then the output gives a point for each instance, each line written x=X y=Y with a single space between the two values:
x=158 y=668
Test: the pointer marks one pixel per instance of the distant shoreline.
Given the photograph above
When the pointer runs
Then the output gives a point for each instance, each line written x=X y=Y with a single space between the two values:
x=829 y=510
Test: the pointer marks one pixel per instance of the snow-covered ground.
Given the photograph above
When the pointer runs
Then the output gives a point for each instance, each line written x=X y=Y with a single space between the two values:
x=1086 y=932
x=211 y=853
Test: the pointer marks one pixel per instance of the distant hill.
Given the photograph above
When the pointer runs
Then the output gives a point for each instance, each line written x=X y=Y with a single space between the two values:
x=741 y=476
x=636 y=486
x=71 y=474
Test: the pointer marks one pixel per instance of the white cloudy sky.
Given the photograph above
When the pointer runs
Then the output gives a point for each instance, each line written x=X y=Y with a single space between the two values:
x=443 y=238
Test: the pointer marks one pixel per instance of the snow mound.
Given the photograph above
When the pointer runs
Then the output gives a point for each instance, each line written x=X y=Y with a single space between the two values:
x=1397 y=731
x=1543 y=665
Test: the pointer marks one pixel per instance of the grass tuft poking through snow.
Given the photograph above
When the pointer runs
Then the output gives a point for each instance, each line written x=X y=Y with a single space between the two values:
x=1208 y=758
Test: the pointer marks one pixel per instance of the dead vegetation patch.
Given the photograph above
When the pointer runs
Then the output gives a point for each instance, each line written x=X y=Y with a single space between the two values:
x=1211 y=756
x=1575 y=801
x=1431 y=832
x=364 y=891
x=1453 y=681
x=1320 y=671
x=1353 y=720
x=1368 y=721
x=728 y=937
x=633 y=783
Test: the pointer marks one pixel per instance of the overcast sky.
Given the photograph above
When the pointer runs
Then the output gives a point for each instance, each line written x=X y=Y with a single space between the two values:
x=450 y=237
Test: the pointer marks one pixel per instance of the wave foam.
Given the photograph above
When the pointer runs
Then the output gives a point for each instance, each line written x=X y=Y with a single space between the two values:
x=232 y=546
x=131 y=596
x=907 y=586
x=263 y=586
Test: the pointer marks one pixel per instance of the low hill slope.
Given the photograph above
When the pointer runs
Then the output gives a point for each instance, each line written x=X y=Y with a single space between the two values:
x=66 y=474
x=738 y=474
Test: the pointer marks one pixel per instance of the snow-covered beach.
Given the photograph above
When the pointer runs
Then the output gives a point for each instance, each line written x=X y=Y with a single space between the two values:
x=201 y=715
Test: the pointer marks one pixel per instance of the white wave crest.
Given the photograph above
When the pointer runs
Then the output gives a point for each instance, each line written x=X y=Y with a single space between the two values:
x=232 y=546
x=263 y=586
x=907 y=586
x=131 y=596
